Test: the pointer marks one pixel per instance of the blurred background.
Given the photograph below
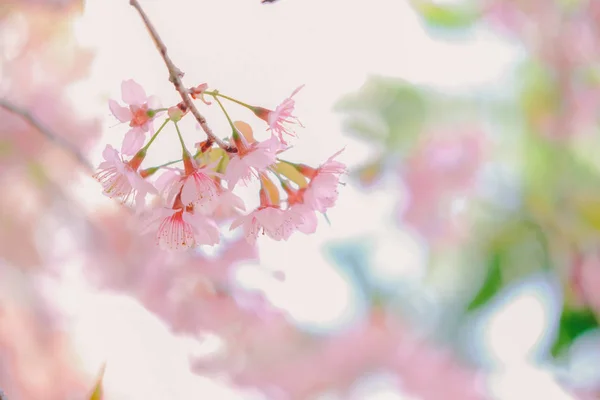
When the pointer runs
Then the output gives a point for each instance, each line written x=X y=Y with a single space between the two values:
x=462 y=260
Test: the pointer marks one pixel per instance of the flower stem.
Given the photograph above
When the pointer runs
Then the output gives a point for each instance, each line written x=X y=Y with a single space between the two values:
x=215 y=93
x=225 y=112
x=145 y=148
x=185 y=151
x=175 y=75
x=168 y=163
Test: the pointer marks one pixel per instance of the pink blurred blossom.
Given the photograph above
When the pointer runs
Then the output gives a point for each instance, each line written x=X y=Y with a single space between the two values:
x=442 y=169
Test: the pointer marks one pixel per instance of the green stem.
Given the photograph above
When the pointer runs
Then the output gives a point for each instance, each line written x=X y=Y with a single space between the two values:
x=180 y=138
x=215 y=93
x=168 y=163
x=145 y=148
x=225 y=112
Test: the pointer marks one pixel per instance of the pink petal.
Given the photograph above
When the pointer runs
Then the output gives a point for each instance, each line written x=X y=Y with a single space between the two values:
x=205 y=230
x=309 y=223
x=189 y=192
x=110 y=154
x=140 y=201
x=234 y=200
x=132 y=93
x=121 y=113
x=154 y=103
x=238 y=222
x=236 y=169
x=133 y=141
x=297 y=90
x=167 y=179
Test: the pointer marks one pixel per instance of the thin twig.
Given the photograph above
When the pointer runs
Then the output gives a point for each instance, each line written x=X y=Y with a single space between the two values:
x=49 y=134
x=175 y=78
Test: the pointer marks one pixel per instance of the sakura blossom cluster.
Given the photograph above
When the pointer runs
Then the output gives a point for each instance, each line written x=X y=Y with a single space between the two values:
x=196 y=192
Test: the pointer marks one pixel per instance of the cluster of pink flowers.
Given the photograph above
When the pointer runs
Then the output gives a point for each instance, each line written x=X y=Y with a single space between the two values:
x=565 y=38
x=442 y=171
x=197 y=195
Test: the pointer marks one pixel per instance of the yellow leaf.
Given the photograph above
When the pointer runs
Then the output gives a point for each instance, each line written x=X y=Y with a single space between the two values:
x=271 y=189
x=217 y=154
x=246 y=130
x=97 y=393
x=291 y=173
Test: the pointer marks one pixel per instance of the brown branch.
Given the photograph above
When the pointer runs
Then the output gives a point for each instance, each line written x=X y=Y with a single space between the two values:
x=49 y=134
x=175 y=78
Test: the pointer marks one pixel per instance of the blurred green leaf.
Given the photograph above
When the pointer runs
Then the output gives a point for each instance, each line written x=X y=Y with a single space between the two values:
x=388 y=111
x=369 y=173
x=447 y=16
x=540 y=94
x=492 y=283
x=573 y=323
x=514 y=249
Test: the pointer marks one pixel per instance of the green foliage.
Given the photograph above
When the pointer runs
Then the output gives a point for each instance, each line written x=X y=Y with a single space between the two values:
x=573 y=324
x=447 y=16
x=492 y=283
x=389 y=111
x=514 y=250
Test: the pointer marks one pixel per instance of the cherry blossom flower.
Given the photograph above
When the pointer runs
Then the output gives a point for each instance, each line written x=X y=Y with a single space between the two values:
x=443 y=170
x=322 y=191
x=251 y=159
x=225 y=204
x=196 y=184
x=309 y=218
x=282 y=117
x=120 y=179
x=180 y=228
x=139 y=113
x=271 y=220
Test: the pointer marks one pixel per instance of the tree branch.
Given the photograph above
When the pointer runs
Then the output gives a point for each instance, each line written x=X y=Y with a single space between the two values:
x=175 y=76
x=49 y=134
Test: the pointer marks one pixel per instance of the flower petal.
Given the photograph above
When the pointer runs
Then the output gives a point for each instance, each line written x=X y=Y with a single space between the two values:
x=133 y=141
x=110 y=154
x=132 y=93
x=121 y=113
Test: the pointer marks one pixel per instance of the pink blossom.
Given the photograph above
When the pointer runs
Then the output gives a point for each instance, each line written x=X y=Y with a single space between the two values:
x=196 y=186
x=282 y=117
x=250 y=161
x=120 y=179
x=181 y=229
x=276 y=223
x=139 y=113
x=441 y=172
x=308 y=215
x=225 y=204
x=322 y=191
x=586 y=280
